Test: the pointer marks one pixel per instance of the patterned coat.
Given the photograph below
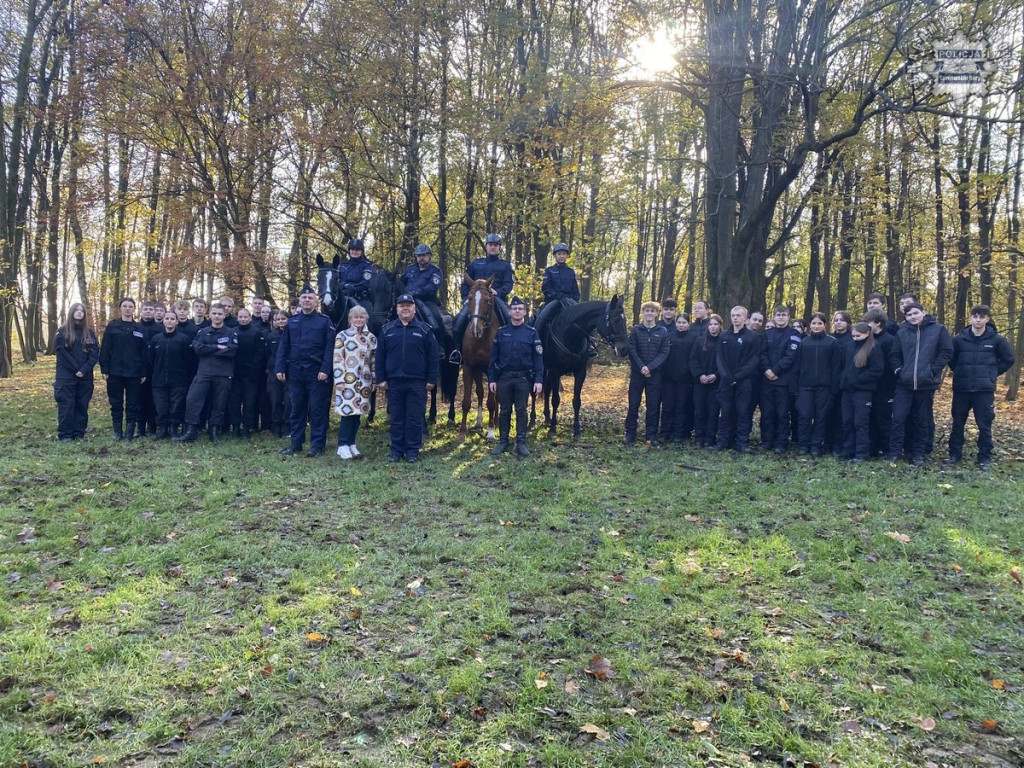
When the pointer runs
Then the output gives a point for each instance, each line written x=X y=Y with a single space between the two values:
x=354 y=355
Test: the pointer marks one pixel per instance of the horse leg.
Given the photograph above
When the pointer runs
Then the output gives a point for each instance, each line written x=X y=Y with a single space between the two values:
x=478 y=380
x=467 y=400
x=549 y=382
x=556 y=400
x=533 y=408
x=492 y=413
x=577 y=389
x=373 y=407
x=432 y=415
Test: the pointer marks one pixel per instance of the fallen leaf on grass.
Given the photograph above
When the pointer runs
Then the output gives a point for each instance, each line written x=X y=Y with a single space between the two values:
x=925 y=724
x=989 y=725
x=596 y=731
x=572 y=686
x=897 y=536
x=851 y=726
x=354 y=591
x=1015 y=573
x=242 y=691
x=600 y=668
x=783 y=704
x=701 y=725
x=462 y=764
x=955 y=567
x=999 y=685
x=27 y=535
x=408 y=740
x=315 y=638
x=540 y=683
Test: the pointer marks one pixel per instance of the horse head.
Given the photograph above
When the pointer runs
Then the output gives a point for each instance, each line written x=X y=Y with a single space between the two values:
x=327 y=282
x=480 y=303
x=613 y=327
x=384 y=289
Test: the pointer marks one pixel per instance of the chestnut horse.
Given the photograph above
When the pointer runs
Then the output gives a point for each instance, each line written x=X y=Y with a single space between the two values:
x=476 y=353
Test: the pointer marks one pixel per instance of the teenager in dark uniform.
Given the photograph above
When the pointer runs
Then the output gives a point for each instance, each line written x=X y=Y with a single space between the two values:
x=648 y=351
x=516 y=368
x=739 y=354
x=980 y=357
x=704 y=367
x=123 y=361
x=677 y=383
x=863 y=364
x=171 y=364
x=245 y=384
x=305 y=358
x=779 y=353
x=78 y=351
x=817 y=376
x=216 y=347
x=147 y=412
x=834 y=432
x=885 y=389
x=407 y=369
x=277 y=391
x=354 y=275
x=922 y=350
x=701 y=314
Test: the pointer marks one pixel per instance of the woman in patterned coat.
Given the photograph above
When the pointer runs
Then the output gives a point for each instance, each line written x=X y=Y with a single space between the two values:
x=354 y=352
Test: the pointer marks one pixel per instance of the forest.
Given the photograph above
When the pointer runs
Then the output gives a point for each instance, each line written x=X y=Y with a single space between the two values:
x=779 y=151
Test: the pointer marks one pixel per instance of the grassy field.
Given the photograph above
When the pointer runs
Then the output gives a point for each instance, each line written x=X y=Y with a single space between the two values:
x=593 y=605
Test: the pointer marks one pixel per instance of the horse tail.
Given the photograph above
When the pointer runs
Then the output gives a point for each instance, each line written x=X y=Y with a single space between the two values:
x=449 y=380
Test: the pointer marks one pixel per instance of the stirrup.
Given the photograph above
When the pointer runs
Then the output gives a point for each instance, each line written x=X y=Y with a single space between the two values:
x=455 y=358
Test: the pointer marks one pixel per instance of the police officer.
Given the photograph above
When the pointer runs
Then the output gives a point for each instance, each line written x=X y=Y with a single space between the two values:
x=305 y=358
x=517 y=364
x=491 y=265
x=421 y=281
x=407 y=369
x=559 y=287
x=354 y=275
x=216 y=346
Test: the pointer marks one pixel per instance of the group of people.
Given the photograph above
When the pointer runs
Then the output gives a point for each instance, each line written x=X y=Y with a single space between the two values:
x=864 y=390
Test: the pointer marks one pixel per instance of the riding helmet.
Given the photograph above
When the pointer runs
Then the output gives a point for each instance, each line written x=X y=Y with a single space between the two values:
x=493 y=238
x=423 y=250
x=560 y=247
x=356 y=244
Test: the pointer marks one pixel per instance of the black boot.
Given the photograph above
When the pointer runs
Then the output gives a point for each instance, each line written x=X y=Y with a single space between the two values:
x=244 y=434
x=162 y=434
x=501 y=447
x=129 y=430
x=118 y=430
x=214 y=434
x=141 y=429
x=521 y=448
x=190 y=435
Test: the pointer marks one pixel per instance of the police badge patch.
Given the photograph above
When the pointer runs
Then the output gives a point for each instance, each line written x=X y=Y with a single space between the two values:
x=539 y=348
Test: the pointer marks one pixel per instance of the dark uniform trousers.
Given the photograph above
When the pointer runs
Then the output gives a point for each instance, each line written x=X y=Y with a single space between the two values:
x=736 y=418
x=513 y=391
x=73 y=396
x=124 y=394
x=407 y=401
x=912 y=422
x=280 y=403
x=881 y=421
x=705 y=407
x=243 y=401
x=856 y=405
x=983 y=405
x=169 y=403
x=812 y=406
x=676 y=409
x=205 y=388
x=649 y=387
x=774 y=415
x=309 y=398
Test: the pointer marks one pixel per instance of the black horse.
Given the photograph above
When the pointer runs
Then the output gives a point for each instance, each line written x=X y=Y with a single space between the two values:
x=566 y=350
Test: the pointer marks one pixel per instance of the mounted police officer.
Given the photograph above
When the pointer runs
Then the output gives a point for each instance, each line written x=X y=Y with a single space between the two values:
x=559 y=287
x=305 y=358
x=354 y=275
x=517 y=365
x=491 y=265
x=421 y=281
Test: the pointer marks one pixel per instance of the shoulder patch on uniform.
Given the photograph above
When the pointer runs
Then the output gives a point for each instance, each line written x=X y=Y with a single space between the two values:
x=539 y=348
x=436 y=279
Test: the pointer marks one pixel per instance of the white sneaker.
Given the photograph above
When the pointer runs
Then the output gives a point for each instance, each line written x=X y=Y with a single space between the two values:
x=356 y=453
x=344 y=452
